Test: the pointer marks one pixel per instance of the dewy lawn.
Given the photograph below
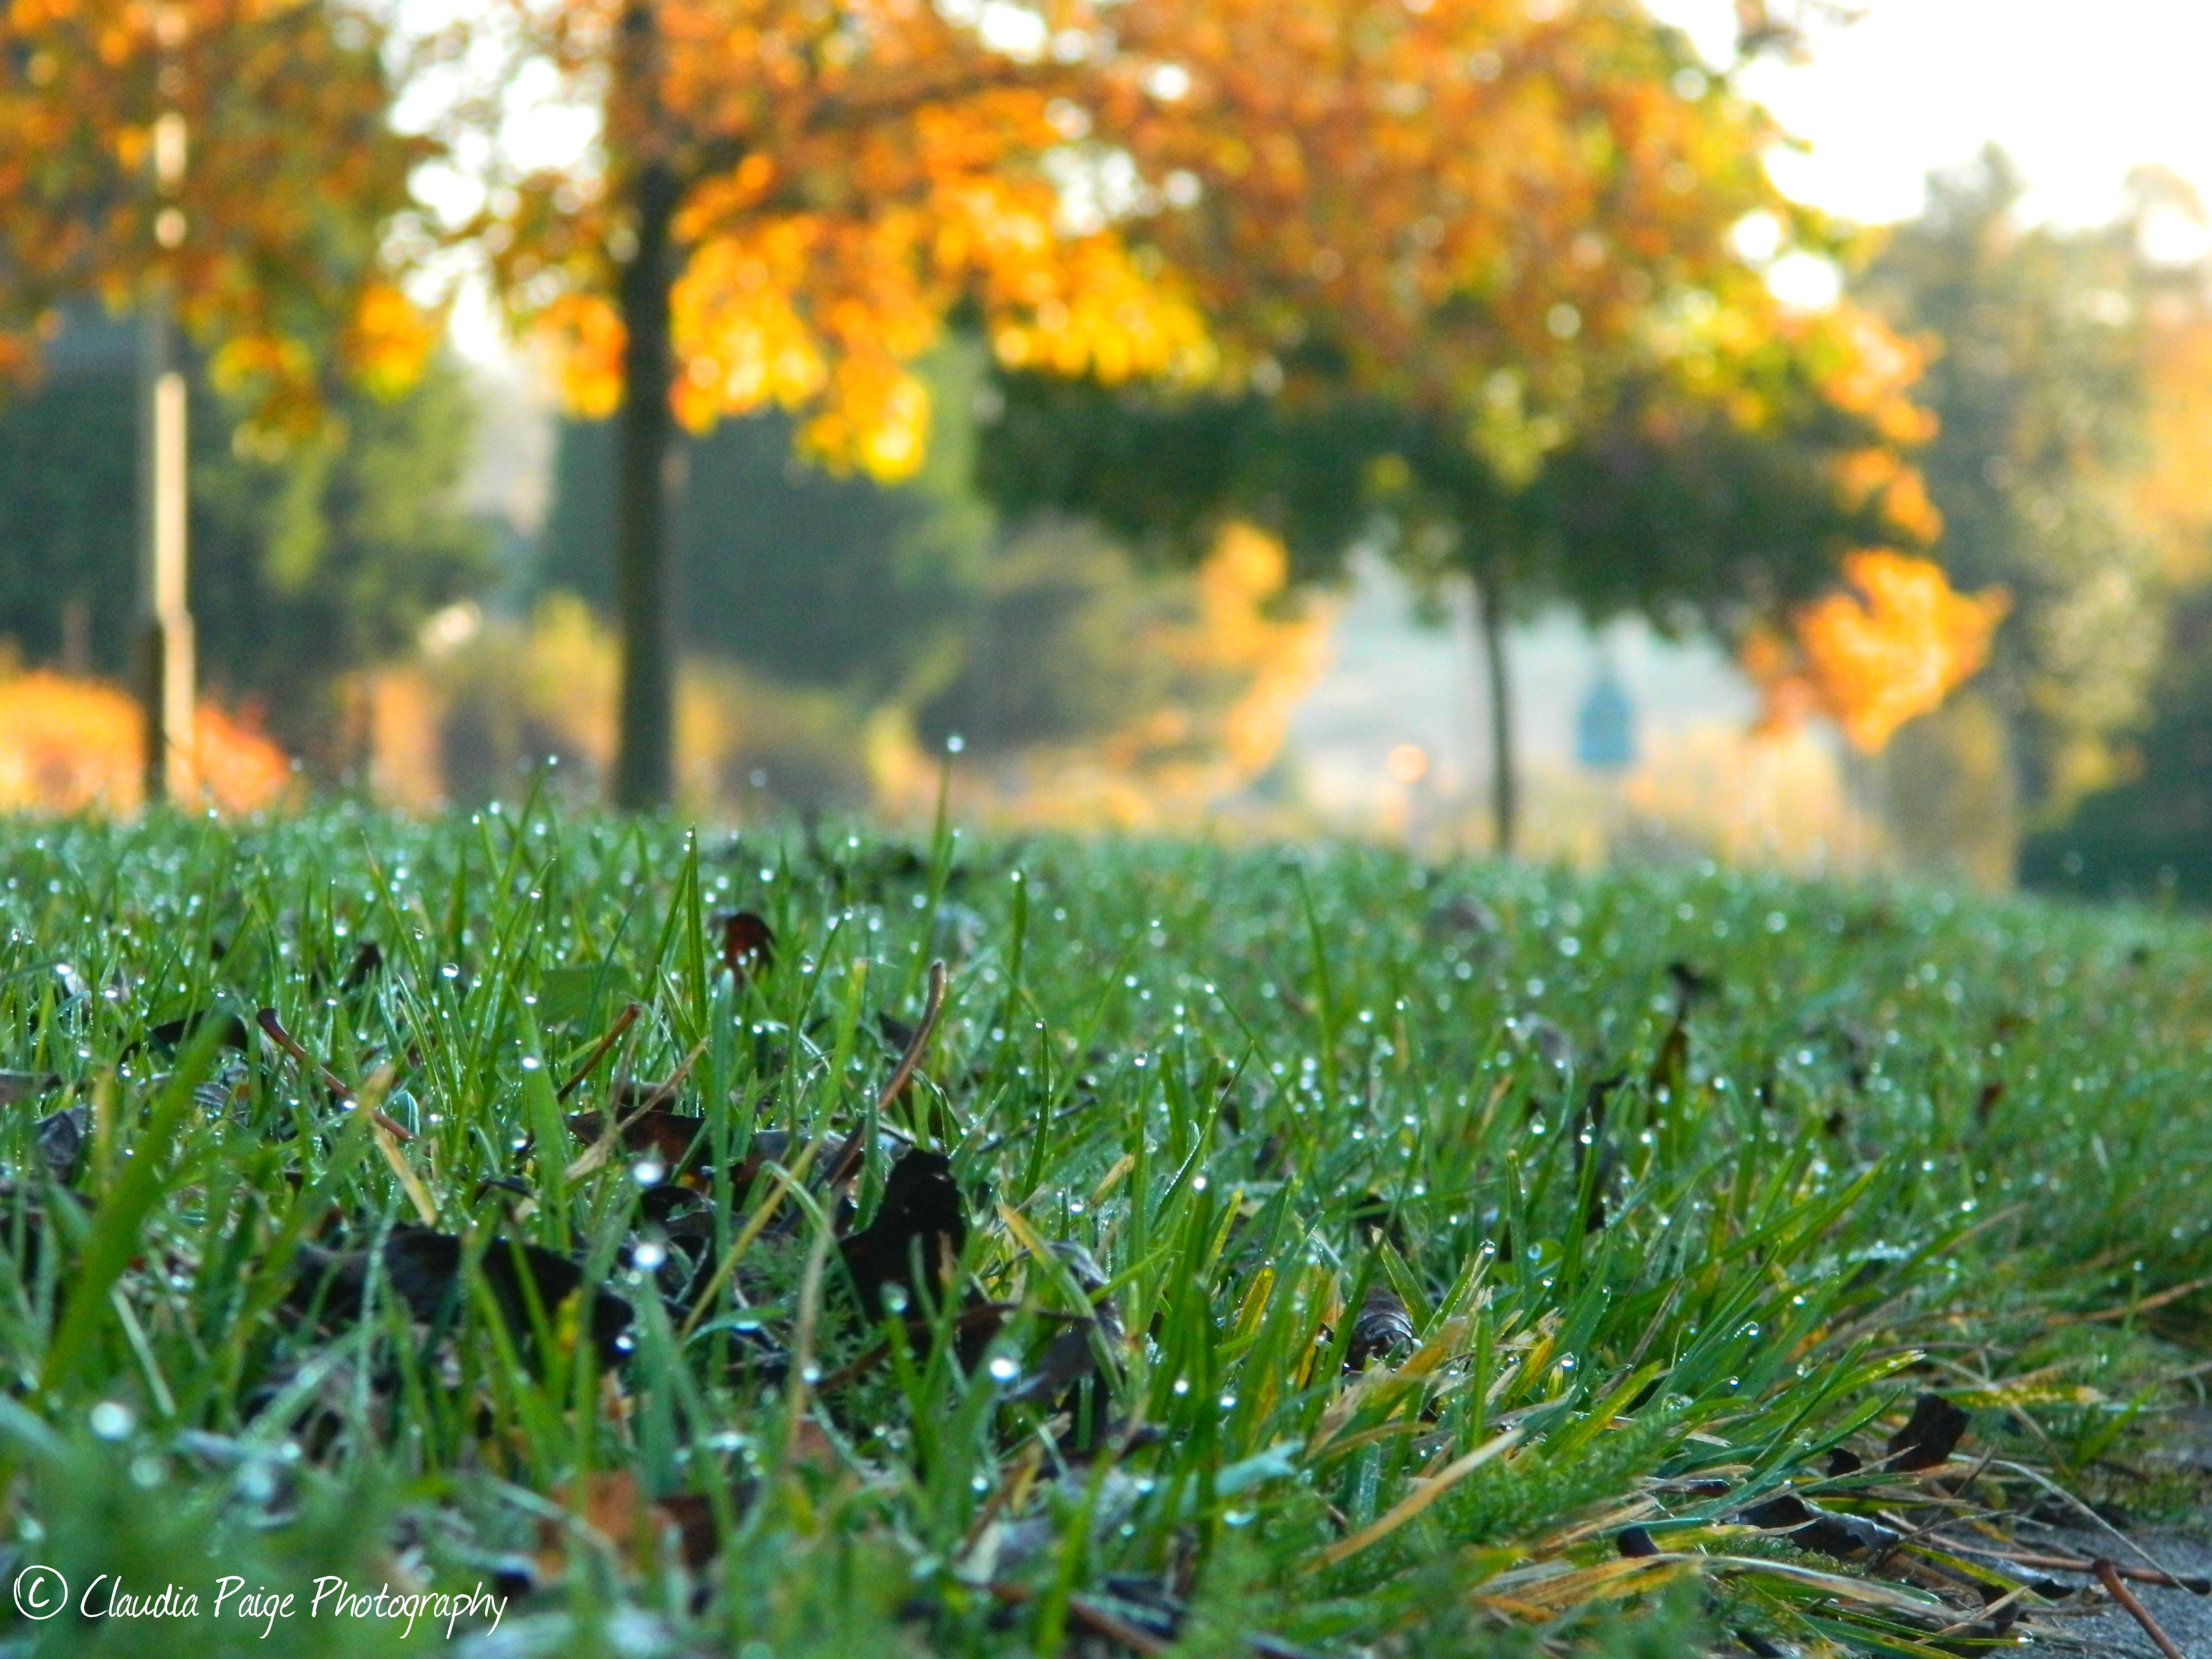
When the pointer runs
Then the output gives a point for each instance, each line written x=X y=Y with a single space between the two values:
x=569 y=1237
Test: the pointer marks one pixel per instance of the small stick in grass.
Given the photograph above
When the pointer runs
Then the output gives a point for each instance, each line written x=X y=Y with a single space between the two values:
x=284 y=1039
x=2108 y=1574
x=933 y=1006
x=2195 y=1586
x=598 y=1151
x=1099 y=1622
x=624 y=1021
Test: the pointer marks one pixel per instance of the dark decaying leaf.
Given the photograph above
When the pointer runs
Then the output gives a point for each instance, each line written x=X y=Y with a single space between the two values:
x=1549 y=1042
x=174 y=1033
x=1382 y=1328
x=669 y=1136
x=698 y=1538
x=1069 y=1360
x=748 y=942
x=1689 y=984
x=1634 y=1543
x=1928 y=1435
x=1842 y=1462
x=1817 y=1530
x=1466 y=921
x=61 y=1141
x=366 y=961
x=922 y=1216
x=1371 y=1210
x=423 y=1267
x=1985 y=1102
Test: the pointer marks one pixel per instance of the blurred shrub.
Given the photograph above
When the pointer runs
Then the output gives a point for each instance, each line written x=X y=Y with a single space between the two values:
x=1056 y=651
x=499 y=697
x=71 y=744
x=1197 y=674
x=310 y=560
x=2151 y=836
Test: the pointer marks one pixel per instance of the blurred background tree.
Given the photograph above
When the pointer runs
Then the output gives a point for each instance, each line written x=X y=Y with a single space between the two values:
x=2064 y=366
x=2150 y=836
x=1476 y=273
x=289 y=216
x=786 y=202
x=798 y=573
x=313 y=555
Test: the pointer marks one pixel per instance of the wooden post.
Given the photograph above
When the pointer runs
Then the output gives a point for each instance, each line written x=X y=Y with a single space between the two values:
x=165 y=622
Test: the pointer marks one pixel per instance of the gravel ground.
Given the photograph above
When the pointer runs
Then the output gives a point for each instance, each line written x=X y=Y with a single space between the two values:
x=2089 y=1622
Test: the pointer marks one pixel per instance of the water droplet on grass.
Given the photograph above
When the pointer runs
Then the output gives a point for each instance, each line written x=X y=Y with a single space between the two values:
x=111 y=1419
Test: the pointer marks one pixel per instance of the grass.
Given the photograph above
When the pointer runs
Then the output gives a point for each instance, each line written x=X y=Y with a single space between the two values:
x=1353 y=1256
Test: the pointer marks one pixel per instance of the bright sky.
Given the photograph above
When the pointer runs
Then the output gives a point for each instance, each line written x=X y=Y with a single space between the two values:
x=2077 y=92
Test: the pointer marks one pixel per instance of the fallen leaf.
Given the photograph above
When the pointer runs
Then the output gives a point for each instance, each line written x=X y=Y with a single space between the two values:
x=748 y=943
x=423 y=1267
x=1382 y=1328
x=922 y=1212
x=1928 y=1435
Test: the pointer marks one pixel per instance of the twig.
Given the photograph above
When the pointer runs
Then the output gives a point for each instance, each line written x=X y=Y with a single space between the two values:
x=598 y=1151
x=1099 y=1622
x=933 y=1006
x=2117 y=1587
x=2090 y=1515
x=2077 y=1564
x=267 y=1020
x=2172 y=1293
x=624 y=1021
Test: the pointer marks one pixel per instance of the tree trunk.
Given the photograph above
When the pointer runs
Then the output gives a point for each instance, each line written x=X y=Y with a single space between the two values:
x=646 y=460
x=1490 y=619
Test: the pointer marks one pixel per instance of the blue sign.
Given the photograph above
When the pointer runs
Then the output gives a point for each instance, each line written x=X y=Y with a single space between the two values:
x=1604 y=729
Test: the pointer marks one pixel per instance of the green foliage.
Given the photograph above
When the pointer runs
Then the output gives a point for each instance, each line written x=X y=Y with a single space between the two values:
x=317 y=558
x=1855 y=1124
x=1161 y=471
x=1055 y=651
x=807 y=577
x=2038 y=383
x=2149 y=837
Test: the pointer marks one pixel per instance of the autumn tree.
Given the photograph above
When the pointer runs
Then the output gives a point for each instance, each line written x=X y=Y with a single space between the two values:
x=1478 y=266
x=236 y=156
x=230 y=165
x=788 y=199
x=2066 y=366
